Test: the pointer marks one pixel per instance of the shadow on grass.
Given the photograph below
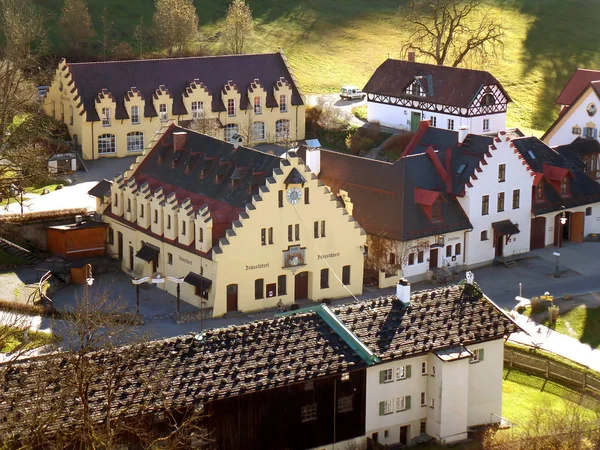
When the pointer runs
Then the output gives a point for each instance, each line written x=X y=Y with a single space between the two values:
x=562 y=37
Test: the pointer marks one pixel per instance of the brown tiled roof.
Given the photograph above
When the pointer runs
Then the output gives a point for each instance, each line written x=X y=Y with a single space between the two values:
x=101 y=190
x=176 y=74
x=260 y=355
x=451 y=86
x=576 y=84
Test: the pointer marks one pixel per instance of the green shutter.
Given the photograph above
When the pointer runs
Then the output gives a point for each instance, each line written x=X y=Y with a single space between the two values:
x=481 y=354
x=381 y=376
x=381 y=408
x=408 y=371
x=407 y=402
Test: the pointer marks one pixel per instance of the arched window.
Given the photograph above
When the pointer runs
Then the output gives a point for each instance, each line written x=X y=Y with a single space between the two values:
x=71 y=115
x=258 y=131
x=231 y=130
x=282 y=129
x=135 y=141
x=488 y=100
x=107 y=144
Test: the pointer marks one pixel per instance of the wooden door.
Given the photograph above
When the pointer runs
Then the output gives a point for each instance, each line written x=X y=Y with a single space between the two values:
x=433 y=258
x=131 y=258
x=415 y=118
x=538 y=233
x=577 y=227
x=301 y=286
x=499 y=244
x=120 y=245
x=558 y=235
x=232 y=297
x=404 y=435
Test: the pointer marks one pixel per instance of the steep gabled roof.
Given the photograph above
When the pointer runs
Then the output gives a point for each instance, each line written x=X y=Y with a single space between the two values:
x=176 y=74
x=444 y=85
x=580 y=79
x=551 y=164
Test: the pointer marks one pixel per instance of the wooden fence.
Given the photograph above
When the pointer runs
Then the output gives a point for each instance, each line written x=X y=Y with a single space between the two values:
x=551 y=370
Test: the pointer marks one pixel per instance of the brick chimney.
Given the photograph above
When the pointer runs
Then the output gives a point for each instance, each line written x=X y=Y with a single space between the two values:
x=411 y=56
x=179 y=140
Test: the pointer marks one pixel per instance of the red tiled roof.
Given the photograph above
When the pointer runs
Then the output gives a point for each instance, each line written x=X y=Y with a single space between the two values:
x=554 y=173
x=425 y=197
x=576 y=84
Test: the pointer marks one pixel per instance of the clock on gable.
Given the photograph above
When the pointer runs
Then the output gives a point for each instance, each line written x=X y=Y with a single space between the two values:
x=294 y=195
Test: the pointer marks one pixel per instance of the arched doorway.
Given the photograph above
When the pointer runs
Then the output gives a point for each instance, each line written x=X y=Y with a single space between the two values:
x=562 y=232
x=301 y=286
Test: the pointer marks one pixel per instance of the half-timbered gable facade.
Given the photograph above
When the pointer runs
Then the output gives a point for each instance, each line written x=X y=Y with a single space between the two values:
x=115 y=108
x=309 y=379
x=400 y=94
x=246 y=229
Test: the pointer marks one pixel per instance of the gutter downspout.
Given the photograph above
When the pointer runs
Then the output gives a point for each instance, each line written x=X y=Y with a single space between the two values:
x=296 y=123
x=465 y=246
x=92 y=141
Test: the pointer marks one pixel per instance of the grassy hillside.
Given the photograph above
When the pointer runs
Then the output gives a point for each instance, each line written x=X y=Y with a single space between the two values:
x=333 y=42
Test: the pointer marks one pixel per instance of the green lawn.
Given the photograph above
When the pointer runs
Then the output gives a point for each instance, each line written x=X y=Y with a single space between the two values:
x=330 y=43
x=581 y=323
x=11 y=339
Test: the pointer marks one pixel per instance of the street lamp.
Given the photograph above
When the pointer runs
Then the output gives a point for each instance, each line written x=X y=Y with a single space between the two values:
x=563 y=221
x=556 y=274
x=158 y=279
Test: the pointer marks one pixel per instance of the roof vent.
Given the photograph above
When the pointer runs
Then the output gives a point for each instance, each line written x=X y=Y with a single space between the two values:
x=461 y=168
x=531 y=154
x=78 y=219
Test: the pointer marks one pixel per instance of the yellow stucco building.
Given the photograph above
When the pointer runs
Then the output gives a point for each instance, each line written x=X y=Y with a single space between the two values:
x=114 y=108
x=246 y=229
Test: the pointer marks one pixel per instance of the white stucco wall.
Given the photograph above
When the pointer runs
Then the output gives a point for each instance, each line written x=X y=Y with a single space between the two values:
x=400 y=116
x=591 y=223
x=453 y=403
x=485 y=383
x=577 y=116
x=479 y=252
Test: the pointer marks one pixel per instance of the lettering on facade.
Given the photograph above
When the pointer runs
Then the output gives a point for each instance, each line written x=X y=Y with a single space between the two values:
x=328 y=255
x=258 y=266
x=455 y=238
x=185 y=260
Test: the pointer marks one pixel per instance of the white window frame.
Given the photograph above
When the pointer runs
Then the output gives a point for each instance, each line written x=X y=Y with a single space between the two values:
x=433 y=121
x=135 y=115
x=135 y=141
x=106 y=117
x=231 y=107
x=163 y=112
x=283 y=103
x=230 y=130
x=401 y=373
x=197 y=109
x=282 y=129
x=423 y=398
x=107 y=144
x=475 y=358
x=401 y=404
x=259 y=131
x=389 y=375
x=388 y=406
x=424 y=368
x=451 y=124
x=432 y=403
x=486 y=124
x=257 y=105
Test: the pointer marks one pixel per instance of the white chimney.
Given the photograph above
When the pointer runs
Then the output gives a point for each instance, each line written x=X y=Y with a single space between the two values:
x=313 y=155
x=403 y=291
x=78 y=219
x=462 y=133
x=236 y=140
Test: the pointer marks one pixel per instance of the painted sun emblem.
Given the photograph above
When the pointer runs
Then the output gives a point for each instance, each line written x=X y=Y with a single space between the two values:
x=591 y=109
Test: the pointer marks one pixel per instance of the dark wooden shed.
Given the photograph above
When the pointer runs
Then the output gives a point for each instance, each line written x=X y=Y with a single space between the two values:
x=78 y=240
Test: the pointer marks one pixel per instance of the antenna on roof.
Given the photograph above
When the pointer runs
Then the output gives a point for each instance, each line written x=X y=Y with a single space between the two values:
x=388 y=55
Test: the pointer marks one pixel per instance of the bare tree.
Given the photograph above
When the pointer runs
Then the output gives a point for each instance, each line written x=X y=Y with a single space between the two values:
x=175 y=24
x=248 y=130
x=76 y=23
x=204 y=124
x=448 y=31
x=390 y=255
x=106 y=39
x=238 y=29
x=140 y=38
x=98 y=393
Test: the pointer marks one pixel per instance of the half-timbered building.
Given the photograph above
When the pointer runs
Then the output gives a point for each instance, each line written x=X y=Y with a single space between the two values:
x=317 y=378
x=400 y=94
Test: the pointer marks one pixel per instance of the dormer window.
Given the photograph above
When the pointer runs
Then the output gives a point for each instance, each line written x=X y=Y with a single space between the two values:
x=539 y=192
x=415 y=89
x=106 y=117
x=231 y=107
x=436 y=211
x=163 y=112
x=257 y=105
x=564 y=187
x=282 y=103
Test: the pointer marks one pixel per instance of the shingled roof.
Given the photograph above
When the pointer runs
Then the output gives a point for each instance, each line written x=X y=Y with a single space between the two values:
x=451 y=86
x=176 y=74
x=266 y=354
x=582 y=189
x=579 y=81
x=209 y=172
